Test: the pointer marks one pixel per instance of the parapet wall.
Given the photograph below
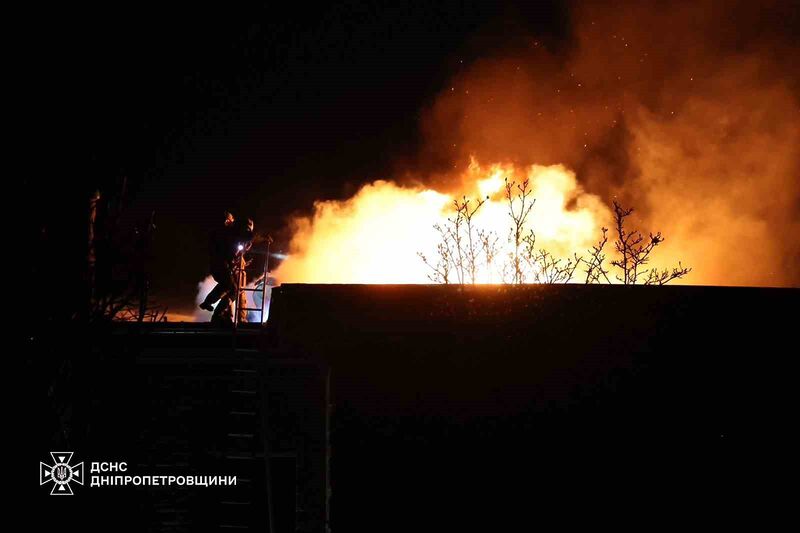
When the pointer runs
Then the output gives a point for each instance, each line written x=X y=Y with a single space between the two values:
x=462 y=350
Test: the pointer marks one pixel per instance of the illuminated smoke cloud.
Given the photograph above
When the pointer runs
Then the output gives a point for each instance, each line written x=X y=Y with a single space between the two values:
x=692 y=121
x=686 y=110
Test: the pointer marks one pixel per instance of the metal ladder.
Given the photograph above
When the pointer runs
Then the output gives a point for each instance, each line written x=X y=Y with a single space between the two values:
x=241 y=287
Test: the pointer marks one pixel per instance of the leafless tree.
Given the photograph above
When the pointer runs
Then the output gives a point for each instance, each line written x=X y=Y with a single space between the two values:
x=455 y=223
x=544 y=266
x=489 y=249
x=634 y=251
x=463 y=248
x=118 y=261
x=662 y=277
x=594 y=265
x=459 y=248
x=528 y=258
x=472 y=251
x=519 y=207
x=551 y=270
x=442 y=267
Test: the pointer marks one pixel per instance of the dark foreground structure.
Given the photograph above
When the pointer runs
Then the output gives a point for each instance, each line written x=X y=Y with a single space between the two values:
x=425 y=408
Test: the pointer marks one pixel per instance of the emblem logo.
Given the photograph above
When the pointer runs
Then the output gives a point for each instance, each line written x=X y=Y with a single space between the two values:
x=61 y=473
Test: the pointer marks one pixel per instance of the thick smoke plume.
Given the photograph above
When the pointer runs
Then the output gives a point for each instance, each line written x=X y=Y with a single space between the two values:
x=688 y=111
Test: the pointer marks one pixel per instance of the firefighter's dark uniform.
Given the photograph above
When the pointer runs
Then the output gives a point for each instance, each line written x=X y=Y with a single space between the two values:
x=227 y=247
x=222 y=252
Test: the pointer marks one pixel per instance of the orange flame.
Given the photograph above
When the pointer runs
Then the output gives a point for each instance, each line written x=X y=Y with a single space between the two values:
x=375 y=236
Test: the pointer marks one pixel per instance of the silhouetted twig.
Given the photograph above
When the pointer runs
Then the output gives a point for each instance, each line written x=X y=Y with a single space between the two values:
x=634 y=251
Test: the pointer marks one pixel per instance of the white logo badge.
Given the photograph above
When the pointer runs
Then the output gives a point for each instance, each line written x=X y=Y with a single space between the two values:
x=61 y=473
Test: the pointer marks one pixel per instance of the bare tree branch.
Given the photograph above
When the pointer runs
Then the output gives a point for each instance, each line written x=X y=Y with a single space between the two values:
x=594 y=265
x=634 y=251
x=519 y=207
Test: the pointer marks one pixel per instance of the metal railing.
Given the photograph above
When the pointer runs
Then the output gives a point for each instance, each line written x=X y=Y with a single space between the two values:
x=259 y=285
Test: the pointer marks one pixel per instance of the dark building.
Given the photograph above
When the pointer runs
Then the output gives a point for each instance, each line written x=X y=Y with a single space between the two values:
x=432 y=407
